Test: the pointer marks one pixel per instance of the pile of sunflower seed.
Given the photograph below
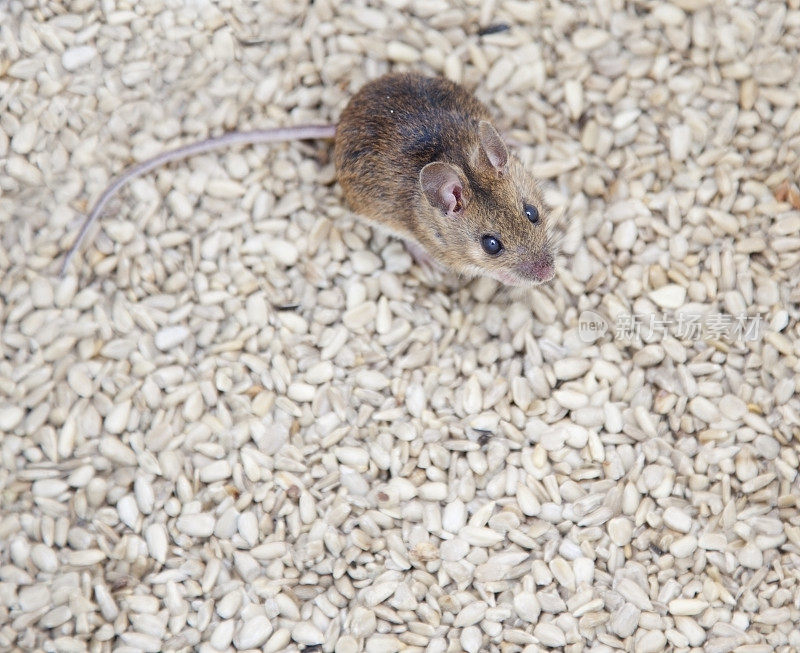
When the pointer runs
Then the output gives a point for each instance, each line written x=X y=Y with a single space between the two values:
x=246 y=421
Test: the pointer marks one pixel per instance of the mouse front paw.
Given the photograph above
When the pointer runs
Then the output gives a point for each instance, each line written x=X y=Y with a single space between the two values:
x=431 y=268
x=430 y=271
x=420 y=255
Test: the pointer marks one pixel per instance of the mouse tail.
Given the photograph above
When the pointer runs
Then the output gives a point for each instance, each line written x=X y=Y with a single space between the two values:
x=277 y=135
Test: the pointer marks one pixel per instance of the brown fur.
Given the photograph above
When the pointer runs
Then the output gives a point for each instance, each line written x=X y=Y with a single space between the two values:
x=396 y=125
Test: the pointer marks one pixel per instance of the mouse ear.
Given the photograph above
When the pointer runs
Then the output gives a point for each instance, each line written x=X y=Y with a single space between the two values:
x=493 y=146
x=442 y=186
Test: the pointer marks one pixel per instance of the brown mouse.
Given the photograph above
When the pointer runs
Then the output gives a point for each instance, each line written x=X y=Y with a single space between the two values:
x=418 y=156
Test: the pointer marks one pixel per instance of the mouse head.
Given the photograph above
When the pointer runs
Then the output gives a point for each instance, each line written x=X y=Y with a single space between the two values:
x=489 y=215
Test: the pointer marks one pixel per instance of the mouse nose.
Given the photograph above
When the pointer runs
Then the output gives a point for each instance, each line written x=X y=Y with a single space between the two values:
x=540 y=268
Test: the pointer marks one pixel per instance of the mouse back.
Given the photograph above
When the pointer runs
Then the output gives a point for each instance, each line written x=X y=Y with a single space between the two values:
x=393 y=127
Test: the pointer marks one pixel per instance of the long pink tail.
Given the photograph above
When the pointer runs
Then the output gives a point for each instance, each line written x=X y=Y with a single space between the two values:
x=278 y=135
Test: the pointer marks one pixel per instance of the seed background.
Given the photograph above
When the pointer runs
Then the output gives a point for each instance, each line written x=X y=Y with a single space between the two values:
x=246 y=420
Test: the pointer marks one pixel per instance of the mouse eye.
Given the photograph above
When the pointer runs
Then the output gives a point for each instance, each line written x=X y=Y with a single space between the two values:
x=491 y=245
x=531 y=212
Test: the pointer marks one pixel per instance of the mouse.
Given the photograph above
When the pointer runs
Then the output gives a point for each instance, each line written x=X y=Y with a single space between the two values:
x=419 y=157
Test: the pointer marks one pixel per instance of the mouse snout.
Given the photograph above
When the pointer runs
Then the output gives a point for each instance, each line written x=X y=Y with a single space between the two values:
x=540 y=267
